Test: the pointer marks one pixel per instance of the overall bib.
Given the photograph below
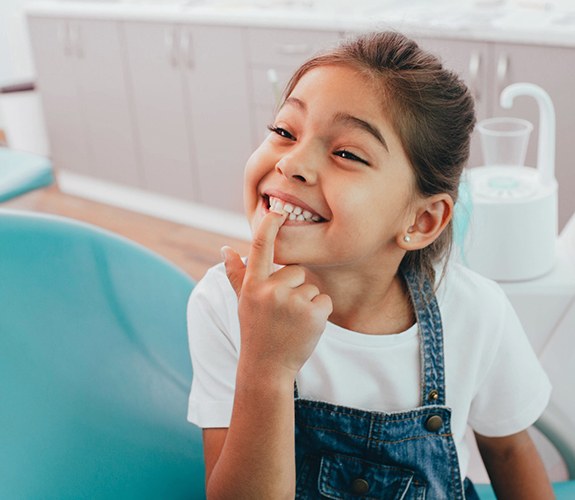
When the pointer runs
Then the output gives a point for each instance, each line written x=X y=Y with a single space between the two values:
x=348 y=453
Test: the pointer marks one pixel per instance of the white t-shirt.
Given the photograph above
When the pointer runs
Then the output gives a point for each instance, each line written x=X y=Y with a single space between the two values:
x=494 y=382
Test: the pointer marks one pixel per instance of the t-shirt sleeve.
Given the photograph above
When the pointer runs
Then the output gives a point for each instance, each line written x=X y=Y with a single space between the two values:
x=213 y=334
x=513 y=390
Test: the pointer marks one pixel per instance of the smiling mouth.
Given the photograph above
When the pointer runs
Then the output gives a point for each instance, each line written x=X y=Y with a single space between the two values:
x=294 y=212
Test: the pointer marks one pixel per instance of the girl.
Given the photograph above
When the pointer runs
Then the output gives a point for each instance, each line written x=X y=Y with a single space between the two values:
x=334 y=363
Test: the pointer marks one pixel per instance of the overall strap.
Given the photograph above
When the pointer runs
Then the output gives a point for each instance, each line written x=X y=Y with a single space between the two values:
x=431 y=339
x=431 y=353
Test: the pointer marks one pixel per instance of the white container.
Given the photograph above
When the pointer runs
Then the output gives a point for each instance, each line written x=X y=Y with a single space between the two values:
x=513 y=226
x=504 y=140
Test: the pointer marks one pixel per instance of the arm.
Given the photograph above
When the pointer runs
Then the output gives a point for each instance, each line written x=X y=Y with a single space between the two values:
x=514 y=467
x=255 y=457
x=281 y=320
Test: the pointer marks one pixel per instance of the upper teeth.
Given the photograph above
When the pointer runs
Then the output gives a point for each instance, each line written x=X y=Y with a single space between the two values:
x=295 y=212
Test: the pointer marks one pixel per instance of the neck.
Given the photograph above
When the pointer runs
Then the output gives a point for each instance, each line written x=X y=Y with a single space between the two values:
x=372 y=302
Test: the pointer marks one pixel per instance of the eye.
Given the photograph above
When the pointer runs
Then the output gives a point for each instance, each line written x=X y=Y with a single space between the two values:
x=347 y=155
x=282 y=132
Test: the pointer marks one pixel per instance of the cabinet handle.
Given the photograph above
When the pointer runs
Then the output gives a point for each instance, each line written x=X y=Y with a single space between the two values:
x=474 y=71
x=502 y=69
x=294 y=49
x=76 y=41
x=186 y=46
x=64 y=38
x=170 y=46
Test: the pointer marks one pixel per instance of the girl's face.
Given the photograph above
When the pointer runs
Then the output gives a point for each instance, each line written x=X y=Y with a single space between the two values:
x=333 y=156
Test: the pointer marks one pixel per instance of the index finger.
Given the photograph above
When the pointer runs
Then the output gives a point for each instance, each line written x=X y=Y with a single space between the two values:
x=261 y=257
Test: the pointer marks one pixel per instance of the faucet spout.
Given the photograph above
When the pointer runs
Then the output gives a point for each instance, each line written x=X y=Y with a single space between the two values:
x=546 y=143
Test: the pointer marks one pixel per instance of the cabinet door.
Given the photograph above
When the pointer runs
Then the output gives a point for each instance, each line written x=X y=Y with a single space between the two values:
x=61 y=97
x=163 y=133
x=553 y=69
x=81 y=81
x=472 y=62
x=218 y=99
x=100 y=75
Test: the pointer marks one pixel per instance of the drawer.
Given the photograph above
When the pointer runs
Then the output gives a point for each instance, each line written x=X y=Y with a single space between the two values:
x=287 y=47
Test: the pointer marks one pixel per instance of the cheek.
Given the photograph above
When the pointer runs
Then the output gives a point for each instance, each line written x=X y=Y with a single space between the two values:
x=352 y=202
x=356 y=215
x=253 y=174
x=366 y=212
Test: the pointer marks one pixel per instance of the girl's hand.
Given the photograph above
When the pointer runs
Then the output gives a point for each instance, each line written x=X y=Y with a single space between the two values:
x=281 y=316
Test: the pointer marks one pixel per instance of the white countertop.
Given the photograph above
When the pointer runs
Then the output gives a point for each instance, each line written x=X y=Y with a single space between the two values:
x=520 y=21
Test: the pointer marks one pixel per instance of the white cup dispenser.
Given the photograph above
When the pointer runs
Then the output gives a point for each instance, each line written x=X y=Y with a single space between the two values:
x=513 y=227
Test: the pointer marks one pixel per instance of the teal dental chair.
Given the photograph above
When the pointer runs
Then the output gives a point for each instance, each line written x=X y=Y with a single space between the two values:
x=94 y=367
x=21 y=172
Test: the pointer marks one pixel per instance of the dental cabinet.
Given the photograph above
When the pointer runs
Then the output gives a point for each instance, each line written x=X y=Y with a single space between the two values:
x=172 y=101
x=157 y=106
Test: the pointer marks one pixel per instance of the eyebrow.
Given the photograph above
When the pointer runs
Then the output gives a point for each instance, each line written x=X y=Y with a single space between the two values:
x=345 y=118
x=297 y=102
x=362 y=124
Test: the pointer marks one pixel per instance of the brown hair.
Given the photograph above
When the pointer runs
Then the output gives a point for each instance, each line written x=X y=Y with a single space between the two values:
x=430 y=108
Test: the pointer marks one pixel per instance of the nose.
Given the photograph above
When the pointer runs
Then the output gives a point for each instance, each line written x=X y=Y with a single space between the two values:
x=298 y=167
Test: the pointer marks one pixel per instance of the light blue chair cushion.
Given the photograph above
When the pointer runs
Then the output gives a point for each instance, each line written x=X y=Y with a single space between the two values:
x=94 y=367
x=21 y=172
x=485 y=492
x=564 y=490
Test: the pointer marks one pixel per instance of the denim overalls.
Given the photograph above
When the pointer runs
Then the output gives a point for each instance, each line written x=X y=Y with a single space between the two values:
x=346 y=453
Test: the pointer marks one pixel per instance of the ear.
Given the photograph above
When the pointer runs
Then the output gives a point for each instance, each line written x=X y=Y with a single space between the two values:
x=431 y=217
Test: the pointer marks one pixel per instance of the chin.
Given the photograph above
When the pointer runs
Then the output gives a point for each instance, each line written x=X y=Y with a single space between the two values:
x=285 y=257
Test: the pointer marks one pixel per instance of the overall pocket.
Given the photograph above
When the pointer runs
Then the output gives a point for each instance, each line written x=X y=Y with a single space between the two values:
x=344 y=477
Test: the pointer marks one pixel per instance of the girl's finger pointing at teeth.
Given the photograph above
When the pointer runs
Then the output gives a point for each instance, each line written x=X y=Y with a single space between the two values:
x=261 y=257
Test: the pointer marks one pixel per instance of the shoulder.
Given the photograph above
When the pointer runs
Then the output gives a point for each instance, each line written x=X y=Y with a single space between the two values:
x=488 y=356
x=214 y=340
x=213 y=300
x=213 y=285
x=466 y=280
x=466 y=289
x=475 y=311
